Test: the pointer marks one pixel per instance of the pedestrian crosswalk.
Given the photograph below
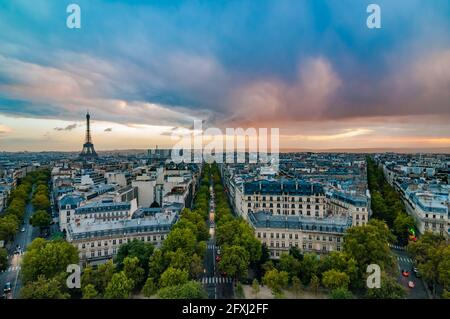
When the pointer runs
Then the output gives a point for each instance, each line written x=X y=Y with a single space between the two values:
x=216 y=280
x=211 y=246
x=397 y=247
x=405 y=259
x=11 y=268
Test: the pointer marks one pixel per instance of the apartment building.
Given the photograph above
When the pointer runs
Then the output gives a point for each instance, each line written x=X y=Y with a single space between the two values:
x=98 y=241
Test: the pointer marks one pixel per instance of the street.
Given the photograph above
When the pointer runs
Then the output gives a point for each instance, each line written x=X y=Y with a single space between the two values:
x=23 y=239
x=216 y=285
x=405 y=262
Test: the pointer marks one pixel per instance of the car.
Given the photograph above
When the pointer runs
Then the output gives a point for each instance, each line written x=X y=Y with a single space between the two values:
x=23 y=229
x=405 y=273
x=218 y=251
x=411 y=284
x=416 y=272
x=223 y=274
x=7 y=287
x=218 y=258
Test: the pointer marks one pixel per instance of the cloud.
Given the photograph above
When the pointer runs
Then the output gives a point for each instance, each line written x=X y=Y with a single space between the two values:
x=5 y=129
x=274 y=100
x=69 y=127
x=109 y=129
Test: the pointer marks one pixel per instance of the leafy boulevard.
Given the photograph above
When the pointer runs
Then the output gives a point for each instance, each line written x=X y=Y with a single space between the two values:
x=174 y=270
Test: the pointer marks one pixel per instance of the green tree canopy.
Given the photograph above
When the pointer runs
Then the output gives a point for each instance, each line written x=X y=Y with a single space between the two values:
x=235 y=261
x=120 y=286
x=47 y=258
x=172 y=277
x=276 y=280
x=189 y=290
x=40 y=219
x=134 y=248
x=333 y=279
x=43 y=288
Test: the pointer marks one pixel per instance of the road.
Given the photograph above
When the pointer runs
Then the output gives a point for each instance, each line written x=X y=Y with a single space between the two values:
x=405 y=262
x=23 y=239
x=216 y=285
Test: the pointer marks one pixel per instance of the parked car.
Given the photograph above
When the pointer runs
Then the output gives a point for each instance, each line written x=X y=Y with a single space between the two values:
x=416 y=272
x=411 y=284
x=23 y=229
x=405 y=273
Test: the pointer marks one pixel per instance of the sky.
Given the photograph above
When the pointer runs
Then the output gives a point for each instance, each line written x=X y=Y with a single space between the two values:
x=148 y=69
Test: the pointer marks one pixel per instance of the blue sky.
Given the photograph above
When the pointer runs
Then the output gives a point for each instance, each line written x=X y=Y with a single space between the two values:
x=143 y=68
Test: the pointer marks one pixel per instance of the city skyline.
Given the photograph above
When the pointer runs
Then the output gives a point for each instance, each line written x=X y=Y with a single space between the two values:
x=144 y=71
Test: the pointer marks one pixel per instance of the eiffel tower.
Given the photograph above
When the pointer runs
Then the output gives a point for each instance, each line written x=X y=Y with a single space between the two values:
x=88 y=151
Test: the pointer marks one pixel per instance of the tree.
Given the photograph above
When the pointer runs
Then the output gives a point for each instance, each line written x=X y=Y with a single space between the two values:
x=235 y=261
x=255 y=287
x=333 y=279
x=119 y=287
x=3 y=259
x=149 y=288
x=40 y=219
x=41 y=202
x=47 y=258
x=156 y=264
x=389 y=289
x=89 y=292
x=296 y=285
x=444 y=268
x=341 y=293
x=182 y=238
x=9 y=225
x=402 y=223
x=178 y=259
x=135 y=248
x=103 y=275
x=430 y=252
x=196 y=266
x=189 y=290
x=296 y=253
x=133 y=271
x=309 y=267
x=172 y=277
x=43 y=288
x=314 y=283
x=276 y=280
x=289 y=264
x=368 y=244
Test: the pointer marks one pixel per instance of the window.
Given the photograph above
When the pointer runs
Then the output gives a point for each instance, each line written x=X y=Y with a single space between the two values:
x=264 y=235
x=83 y=246
x=92 y=244
x=114 y=241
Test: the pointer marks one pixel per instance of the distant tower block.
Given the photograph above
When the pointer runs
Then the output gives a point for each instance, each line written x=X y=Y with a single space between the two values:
x=88 y=151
